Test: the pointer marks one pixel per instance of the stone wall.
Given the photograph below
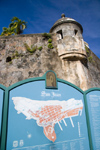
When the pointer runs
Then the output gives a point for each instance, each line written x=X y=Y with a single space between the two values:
x=17 y=63
x=93 y=69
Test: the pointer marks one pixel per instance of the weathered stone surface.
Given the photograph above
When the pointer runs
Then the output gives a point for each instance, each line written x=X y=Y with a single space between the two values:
x=70 y=41
x=26 y=65
x=94 y=70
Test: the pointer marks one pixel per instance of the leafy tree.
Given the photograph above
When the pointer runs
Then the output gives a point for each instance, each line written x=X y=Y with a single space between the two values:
x=18 y=25
x=15 y=27
x=7 y=31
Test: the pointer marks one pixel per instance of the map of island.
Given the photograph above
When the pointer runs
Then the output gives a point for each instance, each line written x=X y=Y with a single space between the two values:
x=48 y=113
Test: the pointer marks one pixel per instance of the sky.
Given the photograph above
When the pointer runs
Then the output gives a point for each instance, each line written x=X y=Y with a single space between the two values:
x=40 y=16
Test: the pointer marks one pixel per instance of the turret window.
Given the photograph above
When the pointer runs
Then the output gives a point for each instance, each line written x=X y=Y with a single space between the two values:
x=60 y=34
x=75 y=31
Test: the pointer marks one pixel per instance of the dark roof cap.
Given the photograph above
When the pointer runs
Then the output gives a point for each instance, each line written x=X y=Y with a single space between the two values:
x=64 y=19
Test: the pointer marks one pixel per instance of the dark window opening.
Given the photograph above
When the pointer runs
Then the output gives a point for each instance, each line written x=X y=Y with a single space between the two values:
x=75 y=31
x=60 y=33
x=8 y=59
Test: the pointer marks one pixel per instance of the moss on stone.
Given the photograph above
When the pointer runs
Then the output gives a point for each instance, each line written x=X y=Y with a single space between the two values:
x=50 y=46
x=90 y=58
x=40 y=48
x=50 y=41
x=46 y=35
x=31 y=50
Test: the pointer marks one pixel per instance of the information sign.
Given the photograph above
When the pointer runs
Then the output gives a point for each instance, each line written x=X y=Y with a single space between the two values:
x=48 y=113
x=46 y=119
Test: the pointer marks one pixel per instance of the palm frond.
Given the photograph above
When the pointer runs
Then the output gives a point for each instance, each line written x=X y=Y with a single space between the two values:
x=11 y=24
x=4 y=28
x=15 y=18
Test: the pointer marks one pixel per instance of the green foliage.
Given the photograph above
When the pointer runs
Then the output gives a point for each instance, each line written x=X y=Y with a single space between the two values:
x=46 y=35
x=18 y=25
x=50 y=41
x=10 y=62
x=90 y=58
x=40 y=48
x=50 y=46
x=27 y=47
x=86 y=48
x=31 y=50
x=15 y=55
x=15 y=27
x=7 y=31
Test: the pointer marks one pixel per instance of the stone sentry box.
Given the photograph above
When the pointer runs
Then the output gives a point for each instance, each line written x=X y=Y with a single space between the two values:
x=47 y=113
x=69 y=36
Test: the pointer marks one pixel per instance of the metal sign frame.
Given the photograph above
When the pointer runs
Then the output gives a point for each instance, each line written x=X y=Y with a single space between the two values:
x=87 y=117
x=3 y=88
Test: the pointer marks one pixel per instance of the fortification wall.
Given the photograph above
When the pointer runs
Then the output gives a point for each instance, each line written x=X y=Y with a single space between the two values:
x=17 y=63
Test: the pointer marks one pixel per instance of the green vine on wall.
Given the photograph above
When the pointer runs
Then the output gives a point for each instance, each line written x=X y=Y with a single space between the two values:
x=89 y=57
x=86 y=48
x=31 y=50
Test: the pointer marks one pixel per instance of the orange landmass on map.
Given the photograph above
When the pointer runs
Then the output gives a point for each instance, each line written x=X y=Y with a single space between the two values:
x=48 y=116
x=50 y=133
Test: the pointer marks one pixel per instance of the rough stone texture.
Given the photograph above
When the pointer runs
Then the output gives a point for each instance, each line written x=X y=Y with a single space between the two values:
x=26 y=65
x=94 y=70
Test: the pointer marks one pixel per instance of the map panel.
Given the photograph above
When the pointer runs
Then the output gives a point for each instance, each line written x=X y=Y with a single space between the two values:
x=46 y=119
x=93 y=101
x=1 y=105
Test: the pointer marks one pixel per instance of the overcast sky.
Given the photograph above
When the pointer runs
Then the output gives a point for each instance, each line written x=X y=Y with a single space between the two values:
x=40 y=16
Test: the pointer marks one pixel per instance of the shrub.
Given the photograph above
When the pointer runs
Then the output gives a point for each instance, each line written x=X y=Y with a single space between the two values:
x=50 y=46
x=50 y=41
x=46 y=35
x=40 y=48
